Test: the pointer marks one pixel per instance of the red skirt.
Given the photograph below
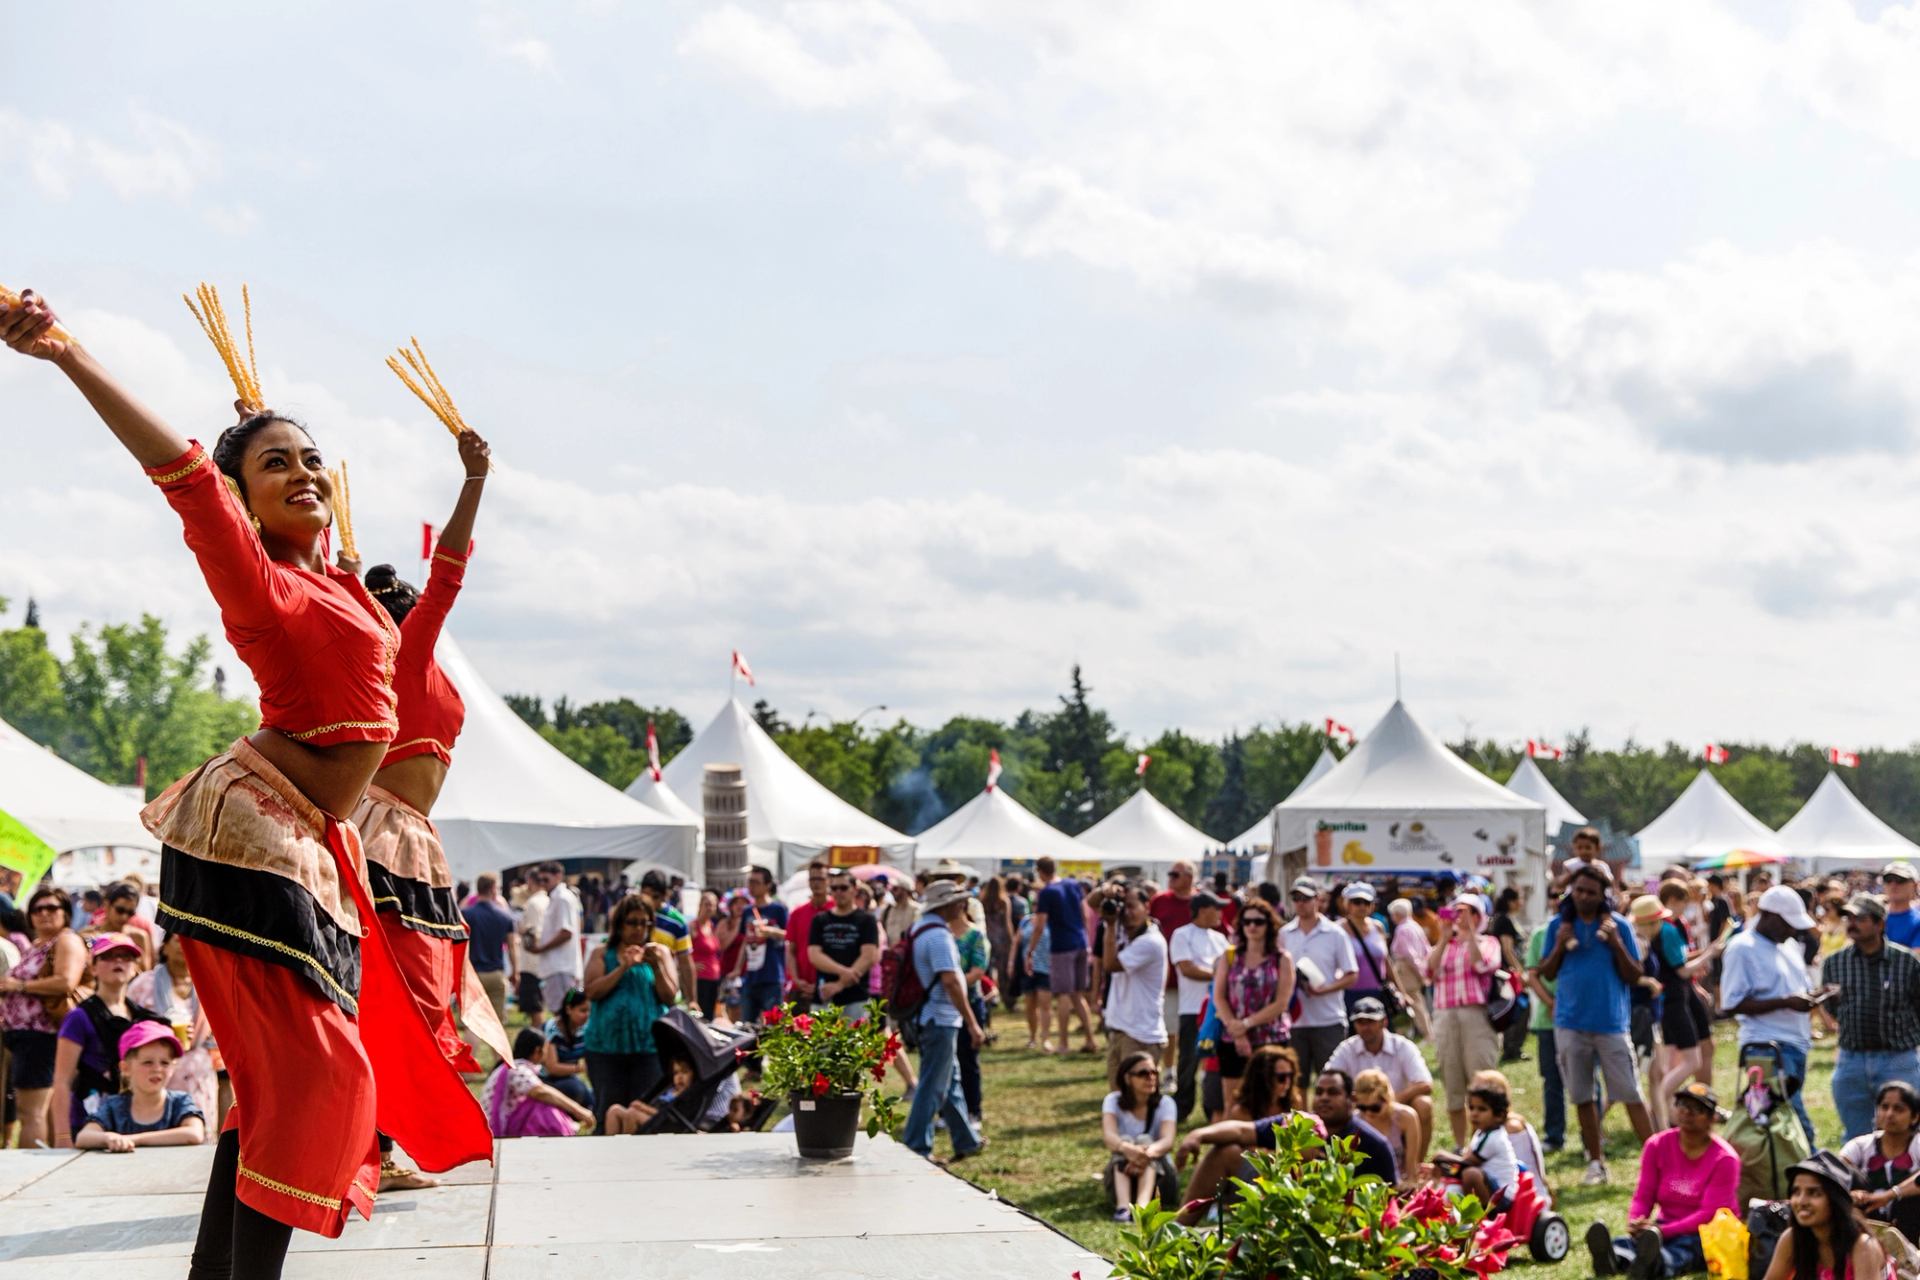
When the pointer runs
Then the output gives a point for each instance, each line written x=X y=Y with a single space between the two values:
x=431 y=969
x=311 y=1083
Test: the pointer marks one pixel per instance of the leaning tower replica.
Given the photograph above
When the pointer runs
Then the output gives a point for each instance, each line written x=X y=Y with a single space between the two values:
x=723 y=794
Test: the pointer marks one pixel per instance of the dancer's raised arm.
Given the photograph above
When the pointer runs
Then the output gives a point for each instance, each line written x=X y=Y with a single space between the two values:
x=476 y=457
x=30 y=327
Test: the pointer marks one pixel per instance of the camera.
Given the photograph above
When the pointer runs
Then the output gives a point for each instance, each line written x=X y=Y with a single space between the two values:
x=1110 y=906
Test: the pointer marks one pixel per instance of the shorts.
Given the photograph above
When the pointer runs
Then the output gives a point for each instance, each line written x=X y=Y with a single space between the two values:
x=1684 y=1020
x=1640 y=1031
x=1232 y=1064
x=1580 y=1052
x=1466 y=1044
x=1166 y=1187
x=1213 y=1094
x=32 y=1057
x=1068 y=972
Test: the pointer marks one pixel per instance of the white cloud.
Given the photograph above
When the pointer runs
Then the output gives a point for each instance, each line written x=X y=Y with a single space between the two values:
x=503 y=41
x=154 y=157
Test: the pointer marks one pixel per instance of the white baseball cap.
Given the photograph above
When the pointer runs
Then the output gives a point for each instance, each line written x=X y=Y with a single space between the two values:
x=1785 y=902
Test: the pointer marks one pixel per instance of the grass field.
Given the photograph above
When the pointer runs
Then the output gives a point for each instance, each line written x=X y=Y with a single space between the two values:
x=1043 y=1122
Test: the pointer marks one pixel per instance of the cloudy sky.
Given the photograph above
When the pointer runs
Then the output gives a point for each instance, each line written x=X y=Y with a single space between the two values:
x=922 y=348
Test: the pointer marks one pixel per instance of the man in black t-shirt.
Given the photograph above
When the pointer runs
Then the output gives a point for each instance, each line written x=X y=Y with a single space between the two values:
x=843 y=945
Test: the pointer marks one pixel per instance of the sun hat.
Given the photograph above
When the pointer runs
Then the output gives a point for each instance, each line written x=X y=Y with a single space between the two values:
x=1647 y=907
x=1786 y=903
x=1826 y=1166
x=1473 y=900
x=940 y=894
x=145 y=1033
x=1901 y=870
x=948 y=869
x=109 y=942
x=1694 y=1091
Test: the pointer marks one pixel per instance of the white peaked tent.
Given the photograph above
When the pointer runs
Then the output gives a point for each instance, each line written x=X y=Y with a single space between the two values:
x=993 y=828
x=1529 y=782
x=1703 y=822
x=790 y=817
x=65 y=806
x=658 y=795
x=1258 y=838
x=1144 y=831
x=1401 y=801
x=1834 y=825
x=511 y=797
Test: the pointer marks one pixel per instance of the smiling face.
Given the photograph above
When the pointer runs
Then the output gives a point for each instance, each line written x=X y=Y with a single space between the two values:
x=1809 y=1202
x=286 y=484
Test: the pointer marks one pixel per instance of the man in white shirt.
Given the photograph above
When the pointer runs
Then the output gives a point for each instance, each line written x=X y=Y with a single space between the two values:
x=1193 y=952
x=1373 y=1047
x=562 y=965
x=1136 y=1020
x=1312 y=938
x=1765 y=985
x=532 y=914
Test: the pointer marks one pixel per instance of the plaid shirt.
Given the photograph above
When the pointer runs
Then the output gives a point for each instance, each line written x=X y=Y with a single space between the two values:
x=1878 y=997
x=1459 y=985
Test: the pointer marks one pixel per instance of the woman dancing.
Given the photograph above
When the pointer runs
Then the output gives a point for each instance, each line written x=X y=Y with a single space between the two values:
x=259 y=875
x=406 y=866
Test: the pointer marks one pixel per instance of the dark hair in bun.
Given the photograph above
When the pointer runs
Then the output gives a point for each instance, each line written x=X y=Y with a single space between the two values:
x=230 y=450
x=384 y=583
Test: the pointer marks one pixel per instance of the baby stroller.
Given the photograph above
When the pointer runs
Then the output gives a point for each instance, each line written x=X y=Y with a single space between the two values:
x=714 y=1053
x=1765 y=1129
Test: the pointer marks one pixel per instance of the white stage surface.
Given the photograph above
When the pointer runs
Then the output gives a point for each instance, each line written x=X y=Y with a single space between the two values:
x=663 y=1207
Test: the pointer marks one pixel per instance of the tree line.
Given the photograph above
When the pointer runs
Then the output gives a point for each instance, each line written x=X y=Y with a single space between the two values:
x=126 y=691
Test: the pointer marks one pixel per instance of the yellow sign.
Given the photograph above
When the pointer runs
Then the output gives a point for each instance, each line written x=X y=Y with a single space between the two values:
x=853 y=855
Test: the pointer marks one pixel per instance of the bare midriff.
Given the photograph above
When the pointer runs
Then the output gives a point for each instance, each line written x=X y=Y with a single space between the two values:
x=334 y=778
x=417 y=780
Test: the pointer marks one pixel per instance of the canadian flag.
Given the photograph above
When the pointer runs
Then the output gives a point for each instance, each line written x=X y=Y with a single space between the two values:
x=1845 y=759
x=653 y=752
x=993 y=768
x=1140 y=770
x=741 y=669
x=1336 y=729
x=1544 y=750
x=429 y=537
x=1714 y=753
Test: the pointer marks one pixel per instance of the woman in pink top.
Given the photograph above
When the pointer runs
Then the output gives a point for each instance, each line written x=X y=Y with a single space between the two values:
x=1687 y=1174
x=706 y=955
x=1407 y=962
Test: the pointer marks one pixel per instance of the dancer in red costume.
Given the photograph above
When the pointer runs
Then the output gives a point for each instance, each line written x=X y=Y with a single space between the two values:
x=260 y=875
x=413 y=892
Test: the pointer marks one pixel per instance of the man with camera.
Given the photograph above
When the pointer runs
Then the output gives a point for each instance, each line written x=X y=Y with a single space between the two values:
x=1135 y=953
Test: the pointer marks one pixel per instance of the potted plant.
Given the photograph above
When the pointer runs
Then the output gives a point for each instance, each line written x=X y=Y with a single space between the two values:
x=828 y=1065
x=1309 y=1212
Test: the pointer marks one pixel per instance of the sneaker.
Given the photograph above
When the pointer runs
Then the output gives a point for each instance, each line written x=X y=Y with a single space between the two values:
x=1553 y=1148
x=1647 y=1263
x=979 y=1123
x=1596 y=1174
x=1123 y=1215
x=1600 y=1250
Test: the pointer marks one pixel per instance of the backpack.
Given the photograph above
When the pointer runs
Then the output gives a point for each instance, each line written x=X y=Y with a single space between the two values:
x=906 y=994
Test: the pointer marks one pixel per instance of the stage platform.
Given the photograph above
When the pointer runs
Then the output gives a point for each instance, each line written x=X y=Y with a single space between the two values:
x=663 y=1207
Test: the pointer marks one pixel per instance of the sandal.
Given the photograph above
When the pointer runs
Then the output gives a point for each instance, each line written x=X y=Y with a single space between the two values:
x=395 y=1178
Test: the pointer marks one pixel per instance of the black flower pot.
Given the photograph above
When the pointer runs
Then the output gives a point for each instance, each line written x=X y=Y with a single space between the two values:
x=825 y=1127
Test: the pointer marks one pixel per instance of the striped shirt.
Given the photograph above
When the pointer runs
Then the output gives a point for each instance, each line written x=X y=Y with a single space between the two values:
x=1459 y=985
x=1878 y=993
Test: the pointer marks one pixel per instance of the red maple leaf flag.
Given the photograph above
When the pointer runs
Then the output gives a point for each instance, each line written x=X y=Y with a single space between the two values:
x=993 y=768
x=428 y=537
x=1335 y=728
x=653 y=752
x=741 y=669
x=1544 y=750
x=1714 y=753
x=1140 y=770
x=1845 y=759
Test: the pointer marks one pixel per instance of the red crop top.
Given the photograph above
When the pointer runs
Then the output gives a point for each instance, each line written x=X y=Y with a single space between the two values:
x=431 y=712
x=322 y=652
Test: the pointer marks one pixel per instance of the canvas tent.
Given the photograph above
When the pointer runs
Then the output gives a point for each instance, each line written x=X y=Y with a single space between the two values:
x=512 y=797
x=658 y=795
x=1402 y=802
x=1144 y=832
x=66 y=806
x=1703 y=822
x=1531 y=784
x=1258 y=838
x=1833 y=827
x=993 y=828
x=790 y=817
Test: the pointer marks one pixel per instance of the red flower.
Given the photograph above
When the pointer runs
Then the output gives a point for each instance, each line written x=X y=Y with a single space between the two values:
x=1429 y=1204
x=880 y=1074
x=893 y=1045
x=803 y=1024
x=1195 y=1206
x=821 y=1084
x=741 y=1055
x=1390 y=1216
x=774 y=1015
x=1446 y=1253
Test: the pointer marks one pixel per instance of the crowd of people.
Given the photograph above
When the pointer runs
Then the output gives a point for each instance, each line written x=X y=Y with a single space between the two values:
x=1214 y=1013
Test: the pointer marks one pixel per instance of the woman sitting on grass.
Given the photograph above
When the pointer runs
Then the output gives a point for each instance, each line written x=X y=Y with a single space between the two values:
x=563 y=1063
x=151 y=1115
x=1395 y=1121
x=1687 y=1174
x=1136 y=1124
x=520 y=1105
x=1886 y=1162
x=1484 y=1166
x=1829 y=1239
x=1268 y=1089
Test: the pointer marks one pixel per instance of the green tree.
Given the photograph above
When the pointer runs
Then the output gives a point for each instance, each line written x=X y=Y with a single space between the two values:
x=127 y=697
x=1184 y=775
x=599 y=749
x=529 y=708
x=1763 y=782
x=30 y=696
x=1078 y=739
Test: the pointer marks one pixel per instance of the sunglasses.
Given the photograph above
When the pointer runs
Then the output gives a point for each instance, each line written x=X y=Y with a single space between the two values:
x=1287 y=1078
x=1253 y=919
x=843 y=888
x=1143 y=1073
x=1373 y=1108
x=38 y=907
